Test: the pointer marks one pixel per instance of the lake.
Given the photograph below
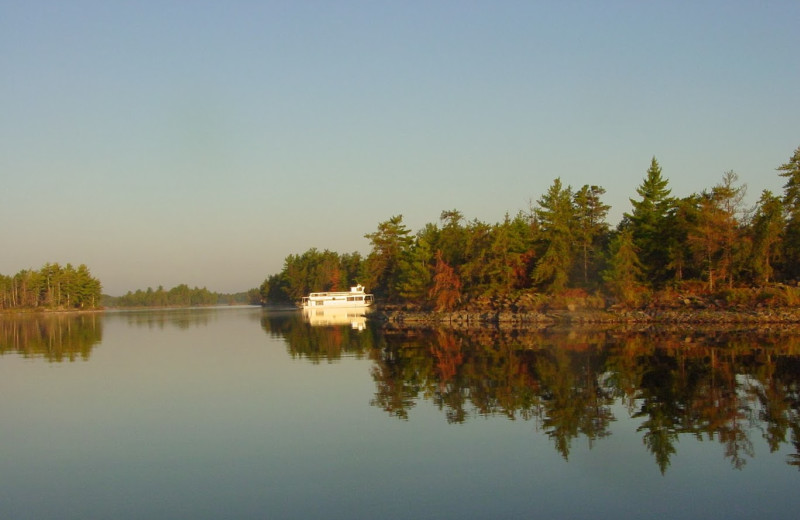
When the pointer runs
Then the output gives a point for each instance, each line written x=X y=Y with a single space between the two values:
x=245 y=413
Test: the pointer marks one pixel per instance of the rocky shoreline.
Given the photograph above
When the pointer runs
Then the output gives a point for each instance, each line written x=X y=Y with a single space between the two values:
x=690 y=313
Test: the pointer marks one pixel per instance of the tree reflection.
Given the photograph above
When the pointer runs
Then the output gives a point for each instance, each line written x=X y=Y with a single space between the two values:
x=719 y=387
x=715 y=386
x=54 y=337
x=181 y=318
x=317 y=343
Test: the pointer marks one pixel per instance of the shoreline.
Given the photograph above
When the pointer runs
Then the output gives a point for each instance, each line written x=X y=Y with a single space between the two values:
x=528 y=319
x=46 y=312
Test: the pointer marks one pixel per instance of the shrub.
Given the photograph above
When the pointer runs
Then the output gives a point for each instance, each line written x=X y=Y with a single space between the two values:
x=737 y=296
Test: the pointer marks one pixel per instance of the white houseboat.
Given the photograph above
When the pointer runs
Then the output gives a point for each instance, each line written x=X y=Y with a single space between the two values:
x=355 y=298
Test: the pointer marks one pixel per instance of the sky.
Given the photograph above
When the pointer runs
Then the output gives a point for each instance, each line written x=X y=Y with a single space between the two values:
x=202 y=142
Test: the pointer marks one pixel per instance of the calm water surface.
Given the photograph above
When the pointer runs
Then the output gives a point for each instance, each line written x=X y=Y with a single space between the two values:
x=243 y=413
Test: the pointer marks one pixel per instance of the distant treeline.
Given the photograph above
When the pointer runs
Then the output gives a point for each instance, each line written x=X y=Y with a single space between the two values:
x=51 y=287
x=180 y=296
x=54 y=287
x=706 y=242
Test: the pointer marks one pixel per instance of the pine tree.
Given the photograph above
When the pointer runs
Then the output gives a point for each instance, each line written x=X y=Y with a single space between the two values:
x=791 y=202
x=556 y=218
x=389 y=243
x=707 y=238
x=591 y=223
x=648 y=223
x=767 y=228
x=728 y=198
x=624 y=272
x=414 y=278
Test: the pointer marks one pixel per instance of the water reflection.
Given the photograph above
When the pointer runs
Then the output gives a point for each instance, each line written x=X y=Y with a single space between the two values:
x=53 y=337
x=730 y=388
x=355 y=317
x=720 y=386
x=182 y=318
x=323 y=339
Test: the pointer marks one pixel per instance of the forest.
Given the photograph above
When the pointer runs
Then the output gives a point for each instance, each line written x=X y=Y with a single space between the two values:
x=51 y=287
x=54 y=287
x=179 y=296
x=705 y=243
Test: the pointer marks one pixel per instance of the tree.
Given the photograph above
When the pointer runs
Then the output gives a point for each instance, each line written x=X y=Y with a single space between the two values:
x=648 y=223
x=88 y=290
x=729 y=197
x=707 y=238
x=389 y=243
x=475 y=269
x=446 y=290
x=715 y=237
x=414 y=277
x=555 y=216
x=767 y=228
x=52 y=286
x=623 y=275
x=679 y=223
x=591 y=225
x=509 y=255
x=312 y=270
x=452 y=238
x=791 y=202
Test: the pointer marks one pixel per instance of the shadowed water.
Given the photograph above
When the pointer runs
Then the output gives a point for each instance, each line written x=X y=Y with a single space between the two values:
x=243 y=413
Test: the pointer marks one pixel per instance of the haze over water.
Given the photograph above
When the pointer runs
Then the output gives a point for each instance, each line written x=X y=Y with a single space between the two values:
x=242 y=413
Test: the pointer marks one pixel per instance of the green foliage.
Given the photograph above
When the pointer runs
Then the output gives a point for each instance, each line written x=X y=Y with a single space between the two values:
x=414 y=280
x=179 y=296
x=767 y=230
x=382 y=267
x=591 y=227
x=51 y=287
x=556 y=218
x=311 y=271
x=649 y=224
x=778 y=296
x=736 y=296
x=703 y=240
x=624 y=270
x=791 y=202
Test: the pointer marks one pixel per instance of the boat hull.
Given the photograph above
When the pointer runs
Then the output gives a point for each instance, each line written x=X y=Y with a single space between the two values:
x=356 y=298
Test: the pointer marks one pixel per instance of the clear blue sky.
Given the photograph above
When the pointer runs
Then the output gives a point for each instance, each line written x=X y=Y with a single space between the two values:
x=202 y=142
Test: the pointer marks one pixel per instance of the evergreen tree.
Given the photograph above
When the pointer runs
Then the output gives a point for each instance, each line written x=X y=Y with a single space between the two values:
x=648 y=222
x=509 y=254
x=707 y=238
x=767 y=229
x=679 y=223
x=52 y=287
x=791 y=202
x=389 y=243
x=414 y=277
x=556 y=216
x=727 y=197
x=475 y=269
x=452 y=238
x=623 y=275
x=591 y=224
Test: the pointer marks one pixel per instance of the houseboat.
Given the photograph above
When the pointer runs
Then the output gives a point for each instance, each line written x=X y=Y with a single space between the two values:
x=355 y=298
